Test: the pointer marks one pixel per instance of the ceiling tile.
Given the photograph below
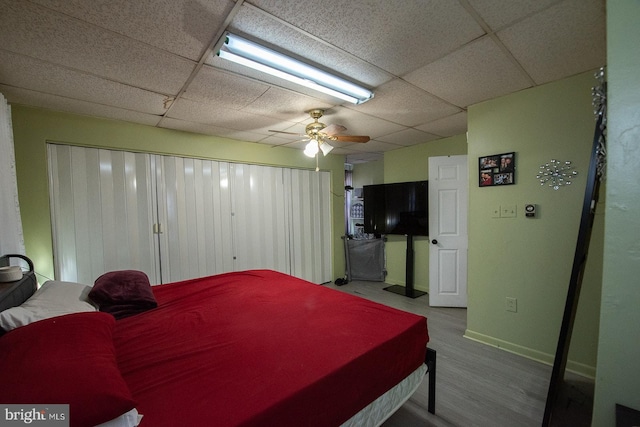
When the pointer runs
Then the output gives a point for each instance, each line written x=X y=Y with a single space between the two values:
x=59 y=39
x=561 y=41
x=288 y=133
x=407 y=137
x=215 y=115
x=358 y=123
x=373 y=145
x=425 y=60
x=285 y=105
x=183 y=27
x=401 y=102
x=201 y=128
x=53 y=102
x=278 y=139
x=474 y=73
x=455 y=124
x=499 y=13
x=397 y=37
x=233 y=91
x=24 y=72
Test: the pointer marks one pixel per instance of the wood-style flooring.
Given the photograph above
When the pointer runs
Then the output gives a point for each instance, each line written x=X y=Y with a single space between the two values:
x=477 y=384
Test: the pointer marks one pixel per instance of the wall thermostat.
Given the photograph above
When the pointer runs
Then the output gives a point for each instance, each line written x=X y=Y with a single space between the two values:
x=530 y=210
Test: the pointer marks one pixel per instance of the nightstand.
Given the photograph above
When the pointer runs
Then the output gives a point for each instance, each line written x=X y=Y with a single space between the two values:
x=15 y=293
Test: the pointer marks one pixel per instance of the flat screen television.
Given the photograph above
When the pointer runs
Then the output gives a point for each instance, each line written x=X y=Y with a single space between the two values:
x=398 y=208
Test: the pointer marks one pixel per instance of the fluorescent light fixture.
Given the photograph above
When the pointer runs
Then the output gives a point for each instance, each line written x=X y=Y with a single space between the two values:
x=252 y=55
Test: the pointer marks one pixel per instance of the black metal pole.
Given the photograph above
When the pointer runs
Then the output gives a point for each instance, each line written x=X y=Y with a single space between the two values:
x=409 y=267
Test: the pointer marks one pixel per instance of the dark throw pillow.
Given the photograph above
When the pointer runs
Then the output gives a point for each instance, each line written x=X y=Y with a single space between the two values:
x=123 y=293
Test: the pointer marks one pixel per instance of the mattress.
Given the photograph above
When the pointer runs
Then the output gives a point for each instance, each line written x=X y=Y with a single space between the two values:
x=386 y=405
x=261 y=348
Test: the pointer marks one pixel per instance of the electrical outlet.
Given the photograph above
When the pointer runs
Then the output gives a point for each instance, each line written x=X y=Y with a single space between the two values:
x=495 y=212
x=512 y=304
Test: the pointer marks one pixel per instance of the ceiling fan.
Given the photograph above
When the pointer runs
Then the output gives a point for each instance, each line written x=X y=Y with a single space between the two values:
x=319 y=134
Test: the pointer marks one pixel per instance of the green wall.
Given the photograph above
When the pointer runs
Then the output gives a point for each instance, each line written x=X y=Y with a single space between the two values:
x=412 y=164
x=530 y=259
x=32 y=128
x=368 y=173
x=618 y=373
x=522 y=258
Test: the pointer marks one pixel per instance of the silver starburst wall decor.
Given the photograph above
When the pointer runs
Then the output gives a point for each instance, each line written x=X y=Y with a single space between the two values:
x=556 y=174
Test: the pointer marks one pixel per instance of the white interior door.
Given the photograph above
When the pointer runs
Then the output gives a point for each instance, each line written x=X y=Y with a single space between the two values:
x=448 y=207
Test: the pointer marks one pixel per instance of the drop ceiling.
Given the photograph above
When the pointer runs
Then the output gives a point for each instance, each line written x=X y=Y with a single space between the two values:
x=153 y=62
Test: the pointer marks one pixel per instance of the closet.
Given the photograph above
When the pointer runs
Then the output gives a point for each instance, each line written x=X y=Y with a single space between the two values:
x=176 y=218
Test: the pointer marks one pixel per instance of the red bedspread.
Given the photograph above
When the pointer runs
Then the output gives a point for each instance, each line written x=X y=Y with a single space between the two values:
x=261 y=348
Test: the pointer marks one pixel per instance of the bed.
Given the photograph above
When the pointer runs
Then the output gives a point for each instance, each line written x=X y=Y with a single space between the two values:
x=252 y=348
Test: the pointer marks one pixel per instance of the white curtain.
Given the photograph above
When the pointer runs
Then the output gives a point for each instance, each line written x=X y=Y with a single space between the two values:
x=11 y=239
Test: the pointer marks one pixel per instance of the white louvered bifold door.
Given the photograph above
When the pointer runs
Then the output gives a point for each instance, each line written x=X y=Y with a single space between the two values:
x=178 y=218
x=310 y=222
x=194 y=217
x=259 y=215
x=101 y=203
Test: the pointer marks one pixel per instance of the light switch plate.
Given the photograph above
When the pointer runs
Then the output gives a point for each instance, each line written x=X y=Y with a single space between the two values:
x=508 y=211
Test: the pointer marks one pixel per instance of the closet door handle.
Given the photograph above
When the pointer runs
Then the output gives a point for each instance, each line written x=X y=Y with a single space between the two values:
x=434 y=241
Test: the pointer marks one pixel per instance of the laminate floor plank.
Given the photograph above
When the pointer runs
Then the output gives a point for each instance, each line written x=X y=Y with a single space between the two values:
x=477 y=384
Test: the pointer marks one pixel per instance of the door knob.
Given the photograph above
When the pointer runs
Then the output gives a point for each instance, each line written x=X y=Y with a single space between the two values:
x=434 y=241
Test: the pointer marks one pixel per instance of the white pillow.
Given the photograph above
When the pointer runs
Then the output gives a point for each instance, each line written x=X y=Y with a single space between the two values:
x=128 y=419
x=54 y=298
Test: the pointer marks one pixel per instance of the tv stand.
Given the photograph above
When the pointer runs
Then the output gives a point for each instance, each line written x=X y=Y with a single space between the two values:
x=407 y=290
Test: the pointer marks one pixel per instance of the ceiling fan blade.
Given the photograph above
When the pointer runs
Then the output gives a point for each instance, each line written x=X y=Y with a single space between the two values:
x=333 y=129
x=350 y=138
x=288 y=133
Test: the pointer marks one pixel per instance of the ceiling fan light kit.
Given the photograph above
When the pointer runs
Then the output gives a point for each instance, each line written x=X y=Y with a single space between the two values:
x=260 y=58
x=314 y=146
x=319 y=133
x=325 y=148
x=311 y=148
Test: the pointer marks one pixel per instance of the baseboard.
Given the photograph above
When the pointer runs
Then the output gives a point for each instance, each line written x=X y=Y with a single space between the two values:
x=582 y=369
x=546 y=358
